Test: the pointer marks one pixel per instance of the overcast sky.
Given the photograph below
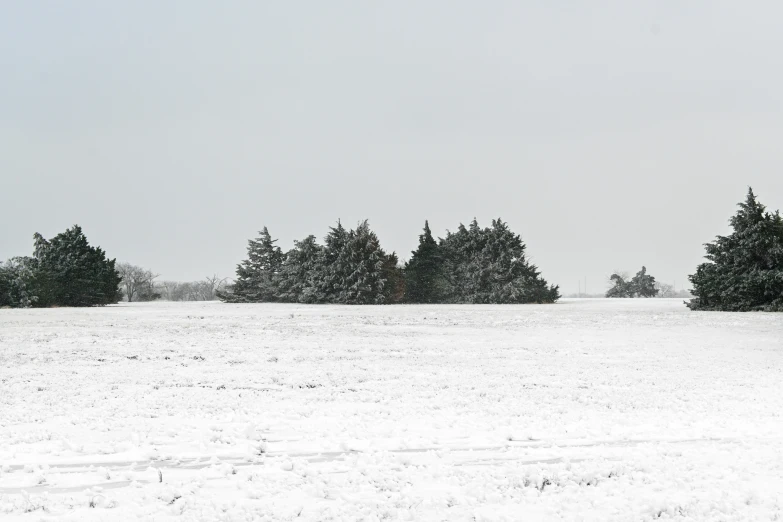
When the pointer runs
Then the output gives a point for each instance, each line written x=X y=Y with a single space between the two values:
x=608 y=134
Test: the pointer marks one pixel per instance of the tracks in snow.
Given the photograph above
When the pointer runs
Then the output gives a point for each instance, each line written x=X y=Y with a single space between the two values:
x=459 y=456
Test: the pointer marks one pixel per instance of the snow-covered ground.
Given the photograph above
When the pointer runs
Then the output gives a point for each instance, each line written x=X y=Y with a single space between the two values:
x=584 y=410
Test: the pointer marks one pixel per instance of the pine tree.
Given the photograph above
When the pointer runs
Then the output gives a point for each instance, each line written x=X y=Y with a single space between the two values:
x=302 y=272
x=362 y=261
x=509 y=277
x=489 y=266
x=745 y=268
x=621 y=288
x=424 y=281
x=640 y=285
x=331 y=285
x=457 y=251
x=643 y=285
x=6 y=278
x=258 y=275
x=67 y=271
x=16 y=282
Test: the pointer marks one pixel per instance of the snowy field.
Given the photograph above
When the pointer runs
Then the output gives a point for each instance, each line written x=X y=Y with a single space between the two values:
x=584 y=410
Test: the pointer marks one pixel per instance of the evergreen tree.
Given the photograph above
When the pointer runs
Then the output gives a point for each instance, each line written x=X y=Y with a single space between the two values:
x=745 y=268
x=510 y=278
x=458 y=252
x=302 y=272
x=643 y=285
x=258 y=275
x=331 y=286
x=67 y=271
x=362 y=261
x=640 y=285
x=16 y=278
x=621 y=288
x=6 y=278
x=489 y=266
x=424 y=272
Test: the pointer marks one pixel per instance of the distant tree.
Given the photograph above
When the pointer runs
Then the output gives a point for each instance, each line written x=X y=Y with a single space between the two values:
x=69 y=272
x=138 y=283
x=641 y=285
x=168 y=290
x=745 y=268
x=665 y=290
x=424 y=282
x=258 y=275
x=207 y=289
x=621 y=287
x=212 y=286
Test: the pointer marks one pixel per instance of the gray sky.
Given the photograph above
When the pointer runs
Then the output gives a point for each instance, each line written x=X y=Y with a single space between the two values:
x=608 y=134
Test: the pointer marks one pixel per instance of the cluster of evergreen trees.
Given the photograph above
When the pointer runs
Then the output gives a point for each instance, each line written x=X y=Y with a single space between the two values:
x=350 y=268
x=744 y=271
x=475 y=265
x=745 y=268
x=471 y=265
x=63 y=271
x=640 y=285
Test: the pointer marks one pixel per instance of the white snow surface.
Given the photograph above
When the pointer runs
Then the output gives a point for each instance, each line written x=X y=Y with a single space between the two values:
x=584 y=410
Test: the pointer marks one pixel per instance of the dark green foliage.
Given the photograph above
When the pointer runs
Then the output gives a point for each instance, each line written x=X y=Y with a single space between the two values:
x=7 y=276
x=302 y=271
x=16 y=279
x=64 y=271
x=351 y=268
x=641 y=285
x=489 y=266
x=335 y=267
x=621 y=288
x=424 y=282
x=473 y=265
x=745 y=268
x=257 y=276
x=361 y=268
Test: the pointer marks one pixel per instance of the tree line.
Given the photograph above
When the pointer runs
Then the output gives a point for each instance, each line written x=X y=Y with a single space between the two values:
x=743 y=272
x=139 y=285
x=471 y=265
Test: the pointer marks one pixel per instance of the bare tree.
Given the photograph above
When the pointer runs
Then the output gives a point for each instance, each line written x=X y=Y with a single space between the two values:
x=665 y=290
x=669 y=291
x=205 y=290
x=137 y=282
x=214 y=284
